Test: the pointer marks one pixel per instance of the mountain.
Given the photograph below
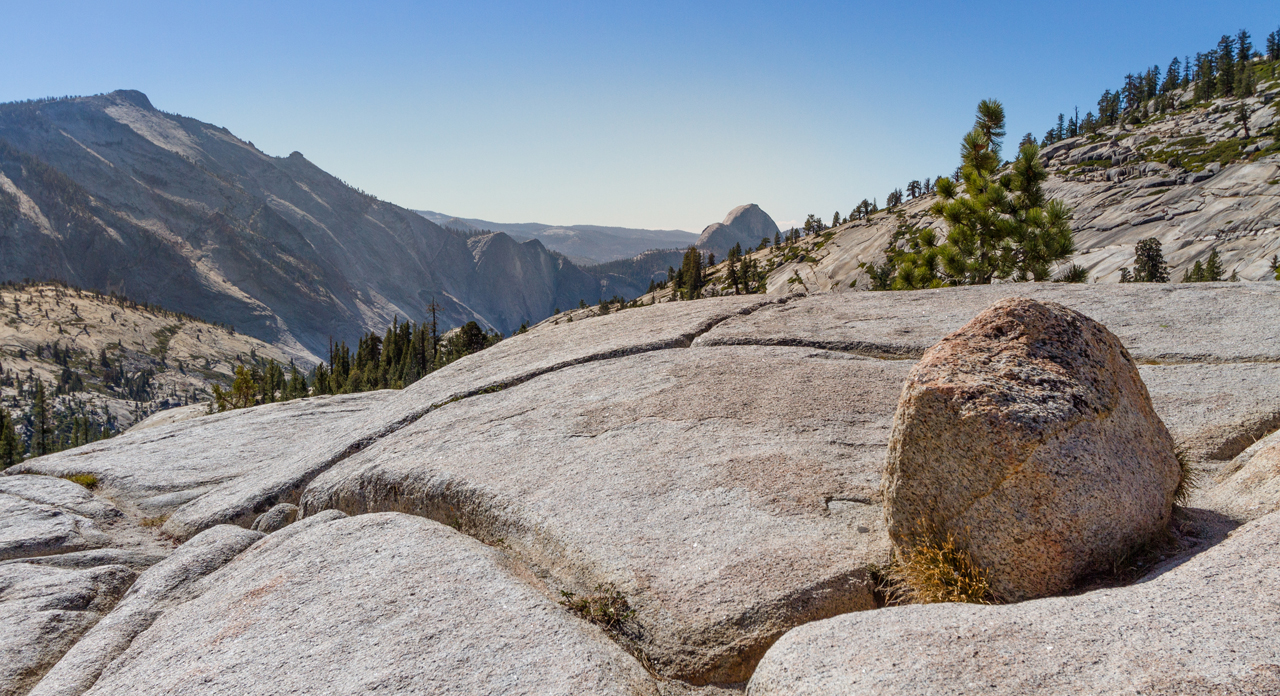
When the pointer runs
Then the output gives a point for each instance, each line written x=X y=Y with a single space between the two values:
x=745 y=225
x=107 y=192
x=584 y=244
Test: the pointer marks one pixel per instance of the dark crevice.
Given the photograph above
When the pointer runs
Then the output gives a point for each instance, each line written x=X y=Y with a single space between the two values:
x=863 y=349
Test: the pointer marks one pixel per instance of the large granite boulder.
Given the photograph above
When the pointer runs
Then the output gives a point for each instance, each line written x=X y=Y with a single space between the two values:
x=1028 y=437
x=380 y=602
x=43 y=611
x=1205 y=628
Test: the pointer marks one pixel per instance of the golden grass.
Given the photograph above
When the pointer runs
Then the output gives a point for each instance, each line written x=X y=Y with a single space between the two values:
x=937 y=569
x=87 y=480
x=606 y=607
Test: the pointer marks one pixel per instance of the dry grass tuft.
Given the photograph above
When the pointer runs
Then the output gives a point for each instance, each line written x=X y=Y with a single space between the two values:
x=1189 y=481
x=938 y=569
x=87 y=480
x=606 y=607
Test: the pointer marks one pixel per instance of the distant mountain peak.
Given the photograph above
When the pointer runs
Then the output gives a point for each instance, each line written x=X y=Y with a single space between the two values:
x=745 y=225
x=134 y=97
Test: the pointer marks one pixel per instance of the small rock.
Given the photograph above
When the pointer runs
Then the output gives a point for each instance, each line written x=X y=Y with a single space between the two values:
x=1029 y=436
x=276 y=518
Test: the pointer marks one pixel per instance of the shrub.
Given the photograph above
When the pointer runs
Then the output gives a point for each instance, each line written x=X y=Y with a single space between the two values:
x=938 y=569
x=87 y=480
x=606 y=607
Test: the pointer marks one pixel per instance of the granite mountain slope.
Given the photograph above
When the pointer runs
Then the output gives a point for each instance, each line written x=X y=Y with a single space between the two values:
x=110 y=361
x=1193 y=178
x=107 y=192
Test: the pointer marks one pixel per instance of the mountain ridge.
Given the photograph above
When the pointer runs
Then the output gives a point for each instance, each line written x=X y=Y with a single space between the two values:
x=584 y=244
x=107 y=192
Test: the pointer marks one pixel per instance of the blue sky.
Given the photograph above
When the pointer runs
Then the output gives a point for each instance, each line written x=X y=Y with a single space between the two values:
x=653 y=114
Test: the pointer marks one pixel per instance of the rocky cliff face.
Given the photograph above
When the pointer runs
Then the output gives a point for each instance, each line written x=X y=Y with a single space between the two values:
x=108 y=192
x=745 y=225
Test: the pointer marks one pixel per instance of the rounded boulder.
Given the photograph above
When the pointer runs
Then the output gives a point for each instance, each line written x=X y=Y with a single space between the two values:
x=1028 y=439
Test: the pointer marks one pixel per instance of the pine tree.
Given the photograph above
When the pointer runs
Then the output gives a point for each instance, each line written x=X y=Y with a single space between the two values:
x=1172 y=76
x=1001 y=227
x=40 y=417
x=11 y=449
x=1149 y=265
x=1213 y=268
x=1244 y=48
x=1226 y=57
x=1242 y=117
x=691 y=278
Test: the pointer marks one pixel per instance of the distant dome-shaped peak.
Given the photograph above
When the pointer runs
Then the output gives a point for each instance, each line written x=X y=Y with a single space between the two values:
x=748 y=209
x=745 y=225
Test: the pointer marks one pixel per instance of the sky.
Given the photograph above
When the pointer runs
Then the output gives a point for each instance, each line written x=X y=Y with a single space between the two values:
x=660 y=115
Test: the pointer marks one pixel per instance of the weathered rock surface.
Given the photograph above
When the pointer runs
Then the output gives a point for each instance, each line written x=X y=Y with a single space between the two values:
x=1209 y=360
x=723 y=489
x=42 y=515
x=157 y=470
x=276 y=518
x=136 y=559
x=729 y=493
x=59 y=493
x=1251 y=482
x=422 y=610
x=1215 y=411
x=164 y=585
x=1029 y=436
x=1206 y=627
x=1165 y=323
x=171 y=416
x=44 y=610
x=231 y=467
